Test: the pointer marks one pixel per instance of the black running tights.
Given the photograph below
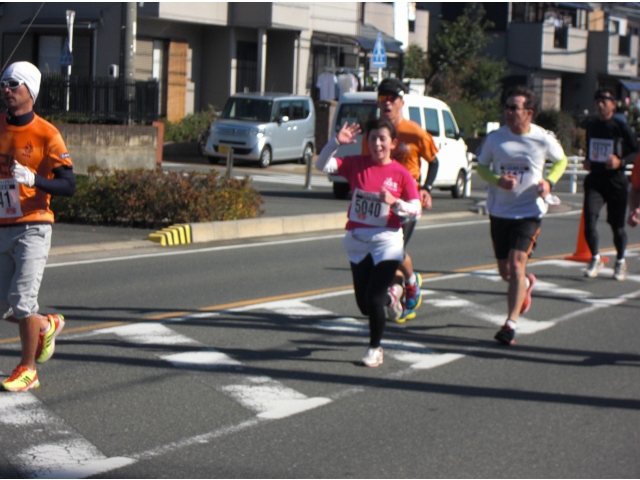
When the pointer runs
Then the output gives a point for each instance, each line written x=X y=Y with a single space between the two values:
x=612 y=191
x=371 y=283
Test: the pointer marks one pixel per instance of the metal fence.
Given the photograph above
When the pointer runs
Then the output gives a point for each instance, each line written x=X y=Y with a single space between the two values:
x=98 y=100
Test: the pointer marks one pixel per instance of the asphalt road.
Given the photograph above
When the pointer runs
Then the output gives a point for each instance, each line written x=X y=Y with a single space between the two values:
x=241 y=360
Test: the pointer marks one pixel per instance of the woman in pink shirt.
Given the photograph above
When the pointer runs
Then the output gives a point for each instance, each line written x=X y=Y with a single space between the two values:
x=383 y=192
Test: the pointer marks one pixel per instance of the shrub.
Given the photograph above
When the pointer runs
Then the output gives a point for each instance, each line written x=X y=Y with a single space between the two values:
x=465 y=117
x=571 y=137
x=188 y=129
x=155 y=198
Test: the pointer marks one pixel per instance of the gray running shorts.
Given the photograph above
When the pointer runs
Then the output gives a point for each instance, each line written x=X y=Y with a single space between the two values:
x=23 y=255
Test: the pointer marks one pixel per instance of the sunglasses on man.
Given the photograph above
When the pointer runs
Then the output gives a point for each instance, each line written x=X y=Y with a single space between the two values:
x=388 y=98
x=514 y=108
x=11 y=84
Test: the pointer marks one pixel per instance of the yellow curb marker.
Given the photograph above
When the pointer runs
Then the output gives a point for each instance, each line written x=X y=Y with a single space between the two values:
x=173 y=235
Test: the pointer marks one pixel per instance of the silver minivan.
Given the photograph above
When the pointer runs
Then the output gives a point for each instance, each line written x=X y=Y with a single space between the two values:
x=264 y=127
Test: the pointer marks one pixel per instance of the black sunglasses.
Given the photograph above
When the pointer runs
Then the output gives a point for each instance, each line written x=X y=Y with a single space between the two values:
x=11 y=84
x=514 y=108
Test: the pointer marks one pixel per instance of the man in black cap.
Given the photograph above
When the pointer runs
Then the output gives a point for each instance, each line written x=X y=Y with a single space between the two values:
x=611 y=145
x=413 y=143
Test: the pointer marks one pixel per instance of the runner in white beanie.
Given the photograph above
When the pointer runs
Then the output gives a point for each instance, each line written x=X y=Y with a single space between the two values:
x=28 y=73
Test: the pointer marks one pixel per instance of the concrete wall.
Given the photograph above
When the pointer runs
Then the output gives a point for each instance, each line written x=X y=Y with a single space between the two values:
x=110 y=146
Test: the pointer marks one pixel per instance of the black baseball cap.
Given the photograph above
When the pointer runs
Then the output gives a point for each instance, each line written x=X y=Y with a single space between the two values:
x=605 y=94
x=392 y=86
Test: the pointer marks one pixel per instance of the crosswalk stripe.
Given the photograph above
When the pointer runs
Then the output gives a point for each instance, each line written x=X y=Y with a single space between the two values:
x=61 y=452
x=269 y=398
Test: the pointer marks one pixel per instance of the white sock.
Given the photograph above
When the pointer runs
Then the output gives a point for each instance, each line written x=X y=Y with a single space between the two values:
x=511 y=324
x=412 y=279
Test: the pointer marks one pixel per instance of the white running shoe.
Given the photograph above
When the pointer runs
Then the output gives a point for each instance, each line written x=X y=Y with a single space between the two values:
x=620 y=271
x=394 y=309
x=373 y=357
x=594 y=267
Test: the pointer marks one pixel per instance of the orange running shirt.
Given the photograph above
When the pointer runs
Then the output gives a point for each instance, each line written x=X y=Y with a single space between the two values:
x=413 y=143
x=38 y=146
x=635 y=174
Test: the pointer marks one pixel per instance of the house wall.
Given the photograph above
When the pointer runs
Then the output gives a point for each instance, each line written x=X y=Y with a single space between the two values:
x=108 y=17
x=208 y=13
x=380 y=15
x=571 y=59
x=421 y=34
x=280 y=68
x=335 y=17
x=524 y=44
x=212 y=80
x=622 y=65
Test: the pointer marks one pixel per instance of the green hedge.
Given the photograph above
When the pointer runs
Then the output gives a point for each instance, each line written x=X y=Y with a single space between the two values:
x=188 y=128
x=156 y=198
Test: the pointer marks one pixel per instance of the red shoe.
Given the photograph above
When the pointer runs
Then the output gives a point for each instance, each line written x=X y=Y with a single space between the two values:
x=526 y=304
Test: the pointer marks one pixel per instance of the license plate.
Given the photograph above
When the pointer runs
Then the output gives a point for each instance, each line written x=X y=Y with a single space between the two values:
x=223 y=148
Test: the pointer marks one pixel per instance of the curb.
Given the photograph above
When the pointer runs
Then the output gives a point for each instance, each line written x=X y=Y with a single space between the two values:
x=183 y=234
x=264 y=227
x=248 y=228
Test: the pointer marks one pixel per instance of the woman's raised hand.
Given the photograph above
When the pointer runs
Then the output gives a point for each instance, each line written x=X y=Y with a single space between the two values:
x=348 y=133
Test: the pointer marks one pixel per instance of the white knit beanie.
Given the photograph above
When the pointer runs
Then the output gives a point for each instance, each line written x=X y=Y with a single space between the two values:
x=28 y=73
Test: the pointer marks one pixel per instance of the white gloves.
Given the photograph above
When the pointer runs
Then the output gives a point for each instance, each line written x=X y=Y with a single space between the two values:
x=23 y=175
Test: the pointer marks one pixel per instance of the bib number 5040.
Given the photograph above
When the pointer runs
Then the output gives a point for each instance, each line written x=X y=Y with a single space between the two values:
x=371 y=208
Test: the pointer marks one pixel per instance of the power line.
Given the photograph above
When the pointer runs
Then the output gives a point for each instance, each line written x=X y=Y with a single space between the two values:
x=22 y=37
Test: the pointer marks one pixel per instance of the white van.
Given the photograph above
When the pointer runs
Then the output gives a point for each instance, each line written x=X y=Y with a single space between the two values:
x=454 y=165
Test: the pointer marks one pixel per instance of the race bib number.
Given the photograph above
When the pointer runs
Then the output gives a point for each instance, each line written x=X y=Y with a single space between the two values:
x=367 y=208
x=522 y=172
x=9 y=198
x=600 y=149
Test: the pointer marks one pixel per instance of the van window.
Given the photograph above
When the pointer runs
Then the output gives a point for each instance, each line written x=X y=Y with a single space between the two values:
x=299 y=110
x=248 y=109
x=359 y=113
x=450 y=129
x=433 y=125
x=281 y=109
x=414 y=114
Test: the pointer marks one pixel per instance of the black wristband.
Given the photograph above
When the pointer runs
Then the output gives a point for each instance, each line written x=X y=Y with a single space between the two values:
x=551 y=184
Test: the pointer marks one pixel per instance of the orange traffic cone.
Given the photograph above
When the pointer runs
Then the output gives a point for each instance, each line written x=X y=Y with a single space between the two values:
x=582 y=253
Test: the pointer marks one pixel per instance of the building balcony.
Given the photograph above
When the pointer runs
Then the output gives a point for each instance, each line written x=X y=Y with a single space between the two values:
x=613 y=54
x=547 y=47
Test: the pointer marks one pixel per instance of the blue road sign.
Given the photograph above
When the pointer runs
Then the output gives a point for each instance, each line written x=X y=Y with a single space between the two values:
x=66 y=57
x=379 y=56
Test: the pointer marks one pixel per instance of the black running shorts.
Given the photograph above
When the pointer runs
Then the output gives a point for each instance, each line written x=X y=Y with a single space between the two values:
x=513 y=234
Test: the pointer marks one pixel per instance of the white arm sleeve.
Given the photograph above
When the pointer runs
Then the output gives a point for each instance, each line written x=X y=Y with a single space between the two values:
x=411 y=209
x=326 y=162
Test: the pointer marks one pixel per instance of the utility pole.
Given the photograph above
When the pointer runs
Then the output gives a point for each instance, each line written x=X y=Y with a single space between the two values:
x=67 y=53
x=130 y=14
